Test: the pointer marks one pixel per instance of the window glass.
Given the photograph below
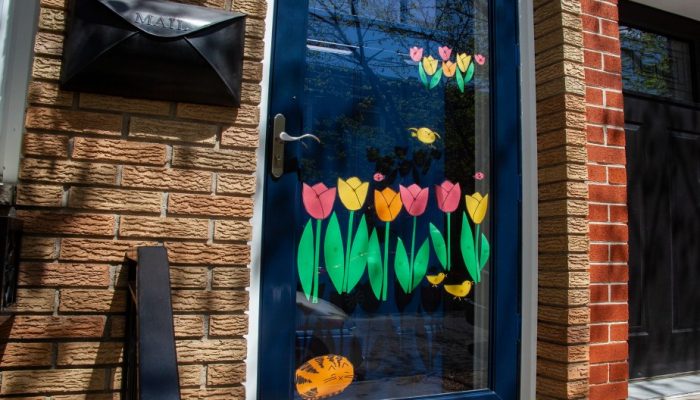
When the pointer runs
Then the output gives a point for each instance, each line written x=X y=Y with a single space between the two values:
x=397 y=91
x=655 y=64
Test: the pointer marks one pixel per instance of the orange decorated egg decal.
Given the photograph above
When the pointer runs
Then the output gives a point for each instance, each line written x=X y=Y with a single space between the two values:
x=324 y=377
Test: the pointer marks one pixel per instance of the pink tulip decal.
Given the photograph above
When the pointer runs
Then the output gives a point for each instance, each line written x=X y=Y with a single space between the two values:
x=445 y=53
x=416 y=53
x=480 y=59
x=414 y=199
x=318 y=200
x=448 y=196
x=410 y=271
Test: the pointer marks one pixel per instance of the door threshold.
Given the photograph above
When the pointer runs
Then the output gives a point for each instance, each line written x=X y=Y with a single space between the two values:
x=676 y=387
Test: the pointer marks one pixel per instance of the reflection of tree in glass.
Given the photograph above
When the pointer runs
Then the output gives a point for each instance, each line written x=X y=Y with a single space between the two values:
x=362 y=87
x=397 y=163
x=652 y=63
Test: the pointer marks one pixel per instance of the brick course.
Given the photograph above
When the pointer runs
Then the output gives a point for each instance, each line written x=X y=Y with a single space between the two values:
x=101 y=174
x=608 y=201
x=563 y=314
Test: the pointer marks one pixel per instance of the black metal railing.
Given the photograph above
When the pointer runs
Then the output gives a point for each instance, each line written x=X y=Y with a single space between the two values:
x=10 y=244
x=150 y=358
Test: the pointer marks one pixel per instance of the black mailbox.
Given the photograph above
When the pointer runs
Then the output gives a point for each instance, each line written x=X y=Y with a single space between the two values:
x=154 y=49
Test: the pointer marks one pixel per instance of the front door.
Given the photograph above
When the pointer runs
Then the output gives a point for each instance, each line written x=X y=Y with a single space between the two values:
x=662 y=112
x=390 y=254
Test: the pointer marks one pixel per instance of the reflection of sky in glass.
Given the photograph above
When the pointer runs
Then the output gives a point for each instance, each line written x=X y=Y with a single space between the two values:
x=362 y=94
x=655 y=64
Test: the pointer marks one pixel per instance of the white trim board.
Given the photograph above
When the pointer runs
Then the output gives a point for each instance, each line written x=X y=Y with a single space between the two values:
x=529 y=239
x=18 y=26
x=252 y=339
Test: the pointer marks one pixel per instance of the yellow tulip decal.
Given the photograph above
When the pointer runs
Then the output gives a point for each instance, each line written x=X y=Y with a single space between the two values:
x=352 y=192
x=463 y=61
x=477 y=206
x=475 y=246
x=430 y=65
x=449 y=68
x=388 y=204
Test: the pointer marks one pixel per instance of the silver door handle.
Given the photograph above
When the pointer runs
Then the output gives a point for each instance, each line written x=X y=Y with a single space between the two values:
x=284 y=136
x=279 y=138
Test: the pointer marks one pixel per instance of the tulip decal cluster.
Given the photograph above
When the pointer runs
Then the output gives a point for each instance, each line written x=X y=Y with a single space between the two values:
x=346 y=260
x=431 y=70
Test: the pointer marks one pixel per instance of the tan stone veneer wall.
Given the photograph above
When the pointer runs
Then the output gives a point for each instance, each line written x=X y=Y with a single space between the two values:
x=101 y=174
x=563 y=314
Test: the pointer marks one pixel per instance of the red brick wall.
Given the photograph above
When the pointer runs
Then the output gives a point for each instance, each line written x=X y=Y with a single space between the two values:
x=607 y=201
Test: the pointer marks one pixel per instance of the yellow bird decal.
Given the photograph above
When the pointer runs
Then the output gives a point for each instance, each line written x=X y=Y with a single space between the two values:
x=424 y=135
x=459 y=291
x=436 y=279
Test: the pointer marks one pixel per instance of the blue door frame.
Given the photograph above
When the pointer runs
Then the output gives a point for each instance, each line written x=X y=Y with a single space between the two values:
x=278 y=287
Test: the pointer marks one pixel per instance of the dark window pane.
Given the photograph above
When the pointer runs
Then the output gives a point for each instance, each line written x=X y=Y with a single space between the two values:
x=655 y=64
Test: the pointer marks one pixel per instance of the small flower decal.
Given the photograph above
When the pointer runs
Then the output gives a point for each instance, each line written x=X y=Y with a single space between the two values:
x=449 y=68
x=463 y=61
x=388 y=204
x=318 y=200
x=445 y=53
x=448 y=195
x=378 y=177
x=416 y=53
x=477 y=206
x=480 y=59
x=414 y=199
x=479 y=176
x=430 y=65
x=352 y=192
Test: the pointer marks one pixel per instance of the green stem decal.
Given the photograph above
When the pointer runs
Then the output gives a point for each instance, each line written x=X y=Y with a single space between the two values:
x=436 y=78
x=423 y=76
x=374 y=265
x=346 y=270
x=385 y=282
x=466 y=242
x=460 y=80
x=449 y=239
x=438 y=245
x=317 y=256
x=470 y=73
x=413 y=250
x=359 y=256
x=306 y=259
x=476 y=245
x=402 y=266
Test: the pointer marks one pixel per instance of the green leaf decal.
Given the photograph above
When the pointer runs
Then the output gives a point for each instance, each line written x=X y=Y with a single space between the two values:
x=460 y=80
x=439 y=245
x=467 y=246
x=485 y=251
x=374 y=265
x=420 y=264
x=358 y=255
x=423 y=76
x=402 y=267
x=305 y=259
x=470 y=73
x=334 y=254
x=436 y=78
